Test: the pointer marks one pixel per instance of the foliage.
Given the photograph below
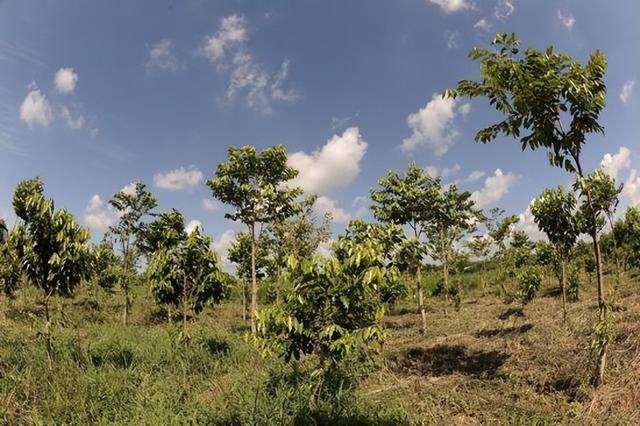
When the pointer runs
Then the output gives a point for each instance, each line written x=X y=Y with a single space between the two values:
x=188 y=275
x=51 y=246
x=254 y=184
x=240 y=254
x=333 y=306
x=529 y=279
x=534 y=90
x=600 y=195
x=165 y=232
x=10 y=266
x=554 y=213
x=106 y=266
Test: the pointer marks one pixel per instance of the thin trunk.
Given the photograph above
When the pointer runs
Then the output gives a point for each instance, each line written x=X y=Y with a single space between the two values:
x=169 y=320
x=124 y=284
x=254 y=282
x=184 y=306
x=602 y=307
x=244 y=299
x=445 y=272
x=423 y=313
x=563 y=286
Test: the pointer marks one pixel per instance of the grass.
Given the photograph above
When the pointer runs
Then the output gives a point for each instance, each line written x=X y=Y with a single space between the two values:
x=488 y=363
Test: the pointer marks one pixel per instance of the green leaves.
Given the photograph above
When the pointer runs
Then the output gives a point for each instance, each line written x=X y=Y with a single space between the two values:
x=555 y=214
x=536 y=91
x=254 y=182
x=52 y=247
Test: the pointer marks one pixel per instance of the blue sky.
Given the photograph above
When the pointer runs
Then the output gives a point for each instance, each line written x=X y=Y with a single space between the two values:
x=96 y=95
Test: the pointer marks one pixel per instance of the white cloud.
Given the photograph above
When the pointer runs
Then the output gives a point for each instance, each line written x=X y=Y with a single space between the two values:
x=76 y=122
x=567 y=20
x=222 y=245
x=65 y=80
x=227 y=50
x=434 y=171
x=627 y=91
x=129 y=189
x=209 y=205
x=324 y=205
x=335 y=165
x=192 y=225
x=96 y=214
x=612 y=164
x=450 y=6
x=527 y=223
x=232 y=31
x=432 y=126
x=361 y=205
x=504 y=9
x=324 y=249
x=474 y=176
x=94 y=132
x=632 y=188
x=453 y=40
x=179 y=179
x=495 y=187
x=35 y=108
x=464 y=109
x=161 y=56
x=483 y=24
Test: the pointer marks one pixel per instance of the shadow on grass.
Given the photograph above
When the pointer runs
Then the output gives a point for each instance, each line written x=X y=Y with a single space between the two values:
x=512 y=312
x=552 y=292
x=118 y=357
x=444 y=360
x=215 y=346
x=502 y=332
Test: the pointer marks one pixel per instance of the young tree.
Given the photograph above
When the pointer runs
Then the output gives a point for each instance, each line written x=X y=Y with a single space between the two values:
x=331 y=306
x=188 y=276
x=106 y=265
x=480 y=247
x=536 y=91
x=300 y=236
x=10 y=264
x=600 y=198
x=403 y=199
x=555 y=213
x=255 y=185
x=452 y=215
x=240 y=254
x=52 y=248
x=133 y=206
x=164 y=232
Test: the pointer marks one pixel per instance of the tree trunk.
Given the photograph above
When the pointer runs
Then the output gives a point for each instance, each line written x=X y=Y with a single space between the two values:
x=184 y=306
x=125 y=313
x=445 y=272
x=244 y=300
x=254 y=282
x=563 y=287
x=423 y=313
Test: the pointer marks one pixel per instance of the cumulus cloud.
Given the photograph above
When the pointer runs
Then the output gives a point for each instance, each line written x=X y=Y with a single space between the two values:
x=179 y=179
x=632 y=188
x=627 y=91
x=35 y=109
x=612 y=164
x=161 y=56
x=192 y=225
x=324 y=205
x=75 y=123
x=97 y=215
x=227 y=49
x=129 y=189
x=474 y=176
x=334 y=165
x=495 y=187
x=527 y=223
x=483 y=24
x=504 y=9
x=65 y=80
x=222 y=245
x=450 y=6
x=432 y=126
x=434 y=171
x=567 y=20
x=209 y=205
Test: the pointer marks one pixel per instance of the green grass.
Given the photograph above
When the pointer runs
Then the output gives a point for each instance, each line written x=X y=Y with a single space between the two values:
x=488 y=363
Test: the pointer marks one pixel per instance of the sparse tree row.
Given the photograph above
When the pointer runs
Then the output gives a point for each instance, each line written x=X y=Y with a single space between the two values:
x=426 y=235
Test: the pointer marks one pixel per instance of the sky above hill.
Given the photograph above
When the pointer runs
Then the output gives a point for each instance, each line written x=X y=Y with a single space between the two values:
x=96 y=95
